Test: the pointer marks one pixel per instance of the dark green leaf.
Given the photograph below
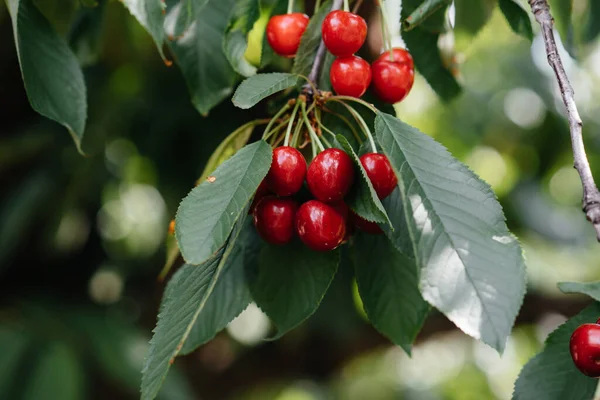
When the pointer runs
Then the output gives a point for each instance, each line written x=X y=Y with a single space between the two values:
x=362 y=198
x=229 y=298
x=85 y=37
x=181 y=16
x=471 y=16
x=187 y=298
x=389 y=289
x=199 y=54
x=290 y=282
x=561 y=12
x=245 y=14
x=551 y=375
x=324 y=82
x=13 y=346
x=517 y=18
x=208 y=213
x=591 y=289
x=592 y=25
x=260 y=86
x=57 y=375
x=51 y=73
x=151 y=15
x=311 y=39
x=399 y=236
x=472 y=268
x=422 y=12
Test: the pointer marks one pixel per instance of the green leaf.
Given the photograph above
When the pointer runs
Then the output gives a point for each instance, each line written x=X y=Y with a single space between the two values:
x=13 y=347
x=187 y=298
x=389 y=288
x=199 y=54
x=472 y=16
x=362 y=198
x=181 y=16
x=208 y=213
x=592 y=25
x=290 y=282
x=151 y=15
x=310 y=41
x=422 y=12
x=229 y=298
x=235 y=43
x=85 y=36
x=517 y=18
x=591 y=289
x=57 y=375
x=399 y=236
x=324 y=82
x=260 y=86
x=561 y=12
x=51 y=73
x=472 y=268
x=551 y=375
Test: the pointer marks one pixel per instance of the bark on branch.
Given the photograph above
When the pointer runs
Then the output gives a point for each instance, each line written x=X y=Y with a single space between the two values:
x=591 y=196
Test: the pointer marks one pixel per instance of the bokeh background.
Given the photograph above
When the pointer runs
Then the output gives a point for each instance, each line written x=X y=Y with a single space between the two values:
x=82 y=237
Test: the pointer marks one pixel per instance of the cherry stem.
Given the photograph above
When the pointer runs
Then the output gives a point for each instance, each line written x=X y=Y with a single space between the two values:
x=311 y=131
x=266 y=134
x=288 y=132
x=290 y=6
x=385 y=31
x=317 y=5
x=345 y=121
x=362 y=123
x=354 y=99
x=346 y=6
x=356 y=6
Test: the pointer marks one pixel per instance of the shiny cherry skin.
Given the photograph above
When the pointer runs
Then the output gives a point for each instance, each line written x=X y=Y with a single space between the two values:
x=342 y=208
x=320 y=226
x=330 y=175
x=287 y=172
x=284 y=33
x=585 y=349
x=364 y=225
x=274 y=219
x=393 y=80
x=350 y=76
x=380 y=173
x=343 y=33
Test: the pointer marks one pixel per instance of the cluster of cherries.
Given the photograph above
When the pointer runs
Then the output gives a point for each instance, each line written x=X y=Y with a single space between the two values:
x=344 y=33
x=325 y=221
x=585 y=349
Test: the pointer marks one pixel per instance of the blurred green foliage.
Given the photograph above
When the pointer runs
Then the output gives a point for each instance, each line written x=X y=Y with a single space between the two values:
x=82 y=238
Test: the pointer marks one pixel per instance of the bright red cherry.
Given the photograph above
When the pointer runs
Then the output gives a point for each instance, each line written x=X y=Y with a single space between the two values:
x=585 y=349
x=393 y=79
x=287 y=172
x=330 y=175
x=350 y=76
x=274 y=219
x=364 y=225
x=343 y=33
x=320 y=226
x=285 y=31
x=380 y=173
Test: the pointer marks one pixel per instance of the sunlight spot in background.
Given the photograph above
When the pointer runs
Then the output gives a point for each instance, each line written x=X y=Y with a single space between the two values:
x=303 y=390
x=498 y=171
x=250 y=327
x=524 y=108
x=565 y=186
x=117 y=153
x=548 y=323
x=73 y=231
x=137 y=217
x=106 y=286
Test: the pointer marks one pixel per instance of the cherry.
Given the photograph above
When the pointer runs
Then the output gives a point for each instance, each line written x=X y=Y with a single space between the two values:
x=330 y=175
x=274 y=219
x=350 y=76
x=320 y=226
x=393 y=79
x=585 y=349
x=287 y=172
x=380 y=173
x=343 y=33
x=342 y=208
x=261 y=192
x=285 y=31
x=364 y=225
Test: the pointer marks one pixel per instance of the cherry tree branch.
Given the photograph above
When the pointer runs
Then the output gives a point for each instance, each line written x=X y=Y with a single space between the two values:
x=591 y=196
x=320 y=57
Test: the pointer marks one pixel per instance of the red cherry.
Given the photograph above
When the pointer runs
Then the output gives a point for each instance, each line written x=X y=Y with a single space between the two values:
x=274 y=219
x=285 y=31
x=287 y=172
x=364 y=225
x=380 y=173
x=350 y=76
x=342 y=208
x=330 y=175
x=320 y=226
x=585 y=349
x=393 y=79
x=343 y=33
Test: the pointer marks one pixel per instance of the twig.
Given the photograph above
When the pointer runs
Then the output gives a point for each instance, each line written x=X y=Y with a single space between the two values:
x=591 y=196
x=356 y=6
x=320 y=57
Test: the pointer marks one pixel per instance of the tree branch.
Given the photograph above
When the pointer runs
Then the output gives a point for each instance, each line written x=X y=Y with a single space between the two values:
x=320 y=57
x=591 y=196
